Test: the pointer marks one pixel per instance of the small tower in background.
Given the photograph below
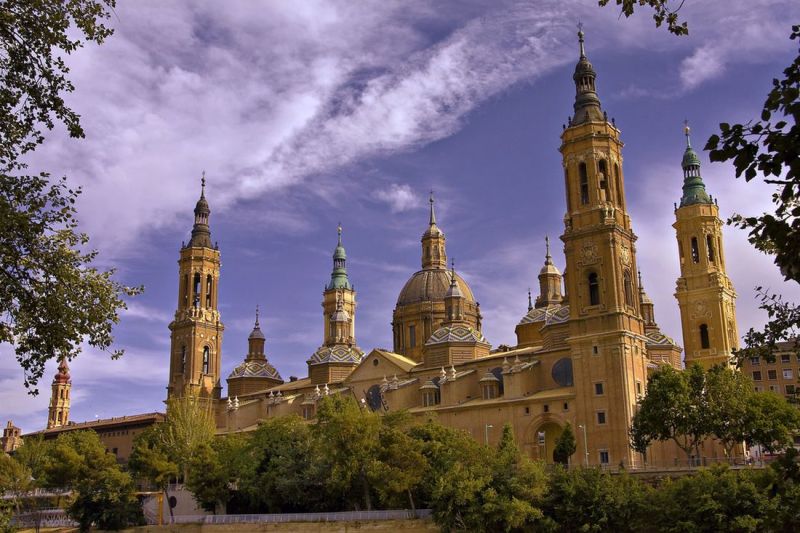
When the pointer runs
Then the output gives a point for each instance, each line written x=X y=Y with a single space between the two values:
x=255 y=373
x=705 y=293
x=58 y=412
x=338 y=355
x=549 y=281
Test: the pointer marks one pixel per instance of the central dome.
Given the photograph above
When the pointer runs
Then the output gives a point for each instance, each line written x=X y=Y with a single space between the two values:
x=431 y=285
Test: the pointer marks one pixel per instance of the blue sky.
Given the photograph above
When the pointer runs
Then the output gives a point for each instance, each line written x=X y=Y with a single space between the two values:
x=304 y=114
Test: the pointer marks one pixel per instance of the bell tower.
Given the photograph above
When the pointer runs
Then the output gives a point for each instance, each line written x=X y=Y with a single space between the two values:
x=196 y=331
x=339 y=355
x=705 y=293
x=606 y=332
x=58 y=412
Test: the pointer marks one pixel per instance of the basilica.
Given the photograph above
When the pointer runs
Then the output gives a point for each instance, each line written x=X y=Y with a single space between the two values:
x=584 y=348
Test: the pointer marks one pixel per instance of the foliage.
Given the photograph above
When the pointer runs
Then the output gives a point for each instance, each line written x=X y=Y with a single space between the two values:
x=150 y=462
x=279 y=474
x=689 y=406
x=51 y=297
x=565 y=445
x=15 y=478
x=661 y=13
x=34 y=455
x=208 y=482
x=673 y=409
x=103 y=493
x=189 y=425
x=401 y=465
x=500 y=493
x=588 y=499
x=345 y=441
x=712 y=500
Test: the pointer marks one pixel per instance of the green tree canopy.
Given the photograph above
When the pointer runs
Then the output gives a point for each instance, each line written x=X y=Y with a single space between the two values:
x=565 y=445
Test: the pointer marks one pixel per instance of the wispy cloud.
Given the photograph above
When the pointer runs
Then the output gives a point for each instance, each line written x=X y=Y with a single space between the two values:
x=399 y=197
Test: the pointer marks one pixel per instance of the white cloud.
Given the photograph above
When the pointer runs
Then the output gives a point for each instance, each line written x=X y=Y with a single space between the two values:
x=400 y=197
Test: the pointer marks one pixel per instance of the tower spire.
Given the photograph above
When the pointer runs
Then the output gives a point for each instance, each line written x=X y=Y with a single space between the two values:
x=694 y=190
x=433 y=250
x=201 y=232
x=587 y=103
x=339 y=279
x=530 y=302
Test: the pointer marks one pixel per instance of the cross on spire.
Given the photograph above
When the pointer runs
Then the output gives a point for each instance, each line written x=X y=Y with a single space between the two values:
x=203 y=184
x=580 y=38
x=257 y=324
x=433 y=213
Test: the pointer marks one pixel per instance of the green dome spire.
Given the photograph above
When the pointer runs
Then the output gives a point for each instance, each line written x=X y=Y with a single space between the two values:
x=694 y=190
x=339 y=278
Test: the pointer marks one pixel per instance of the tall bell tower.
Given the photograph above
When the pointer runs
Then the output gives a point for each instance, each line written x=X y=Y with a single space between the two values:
x=196 y=331
x=606 y=331
x=705 y=293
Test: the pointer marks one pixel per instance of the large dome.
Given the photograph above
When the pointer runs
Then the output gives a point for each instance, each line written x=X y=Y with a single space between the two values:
x=431 y=284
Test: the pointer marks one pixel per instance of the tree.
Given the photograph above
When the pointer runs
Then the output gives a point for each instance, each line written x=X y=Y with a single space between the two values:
x=208 y=482
x=103 y=495
x=345 y=441
x=711 y=500
x=280 y=474
x=588 y=499
x=401 y=466
x=771 y=422
x=14 y=479
x=150 y=462
x=189 y=425
x=674 y=408
x=497 y=493
x=51 y=297
x=565 y=446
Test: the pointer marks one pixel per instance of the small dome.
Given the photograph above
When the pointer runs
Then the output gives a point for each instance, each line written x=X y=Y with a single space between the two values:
x=552 y=314
x=456 y=333
x=63 y=372
x=256 y=334
x=431 y=284
x=432 y=231
x=255 y=369
x=550 y=269
x=690 y=158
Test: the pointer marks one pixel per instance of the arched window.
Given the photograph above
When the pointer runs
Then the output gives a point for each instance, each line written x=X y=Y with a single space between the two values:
x=584 y=184
x=628 y=286
x=680 y=251
x=704 y=342
x=183 y=359
x=209 y=287
x=206 y=357
x=710 y=248
x=196 y=290
x=594 y=289
x=695 y=251
x=603 y=177
x=618 y=184
x=185 y=290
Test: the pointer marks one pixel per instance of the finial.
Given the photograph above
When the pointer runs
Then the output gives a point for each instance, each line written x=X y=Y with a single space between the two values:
x=547 y=245
x=257 y=324
x=580 y=38
x=686 y=131
x=640 y=277
x=203 y=185
x=433 y=213
x=339 y=231
x=530 y=302
x=452 y=272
